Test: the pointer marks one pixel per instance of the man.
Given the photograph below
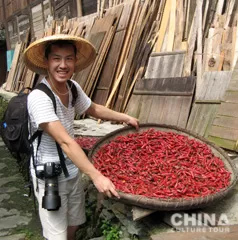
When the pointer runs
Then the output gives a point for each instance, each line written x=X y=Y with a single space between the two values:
x=58 y=57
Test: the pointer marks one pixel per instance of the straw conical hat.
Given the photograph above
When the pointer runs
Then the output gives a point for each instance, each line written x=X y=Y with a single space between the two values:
x=34 y=55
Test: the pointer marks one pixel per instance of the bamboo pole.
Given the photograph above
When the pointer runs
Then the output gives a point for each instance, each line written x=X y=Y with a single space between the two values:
x=79 y=8
x=102 y=8
x=98 y=6
x=187 y=19
x=115 y=86
x=110 y=3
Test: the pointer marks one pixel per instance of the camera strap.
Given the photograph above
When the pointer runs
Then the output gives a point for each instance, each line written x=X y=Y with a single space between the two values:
x=62 y=160
x=38 y=134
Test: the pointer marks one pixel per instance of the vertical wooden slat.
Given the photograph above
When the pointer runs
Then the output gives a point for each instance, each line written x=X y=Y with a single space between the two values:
x=172 y=23
x=163 y=26
x=191 y=45
x=199 y=46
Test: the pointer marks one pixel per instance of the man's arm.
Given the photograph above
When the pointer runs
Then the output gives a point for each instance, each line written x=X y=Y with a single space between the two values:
x=76 y=154
x=101 y=112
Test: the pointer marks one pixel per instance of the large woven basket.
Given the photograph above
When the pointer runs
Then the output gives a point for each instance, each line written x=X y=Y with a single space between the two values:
x=174 y=204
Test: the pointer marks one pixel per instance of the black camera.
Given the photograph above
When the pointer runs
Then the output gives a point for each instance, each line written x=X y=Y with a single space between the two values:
x=50 y=172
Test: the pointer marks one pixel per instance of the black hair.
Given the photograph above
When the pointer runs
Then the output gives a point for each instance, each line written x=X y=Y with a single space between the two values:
x=59 y=43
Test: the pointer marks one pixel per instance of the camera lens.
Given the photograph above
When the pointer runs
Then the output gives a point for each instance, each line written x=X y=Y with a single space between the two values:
x=51 y=200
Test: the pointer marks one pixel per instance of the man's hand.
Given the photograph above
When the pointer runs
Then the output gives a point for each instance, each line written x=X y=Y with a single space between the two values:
x=133 y=122
x=105 y=186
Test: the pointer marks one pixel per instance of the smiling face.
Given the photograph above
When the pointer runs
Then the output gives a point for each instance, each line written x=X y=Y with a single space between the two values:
x=61 y=61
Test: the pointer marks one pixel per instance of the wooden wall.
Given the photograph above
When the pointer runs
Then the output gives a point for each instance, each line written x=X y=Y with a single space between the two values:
x=20 y=15
x=89 y=6
x=64 y=8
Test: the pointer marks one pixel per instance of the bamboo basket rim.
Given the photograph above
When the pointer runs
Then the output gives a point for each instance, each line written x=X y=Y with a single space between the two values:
x=171 y=204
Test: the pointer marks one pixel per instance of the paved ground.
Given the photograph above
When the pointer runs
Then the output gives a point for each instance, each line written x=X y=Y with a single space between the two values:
x=17 y=217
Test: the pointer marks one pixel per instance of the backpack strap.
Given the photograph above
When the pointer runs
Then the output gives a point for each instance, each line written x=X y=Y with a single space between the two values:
x=74 y=91
x=38 y=133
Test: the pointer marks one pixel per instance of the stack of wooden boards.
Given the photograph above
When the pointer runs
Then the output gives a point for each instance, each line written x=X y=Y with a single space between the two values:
x=19 y=76
x=123 y=38
x=148 y=53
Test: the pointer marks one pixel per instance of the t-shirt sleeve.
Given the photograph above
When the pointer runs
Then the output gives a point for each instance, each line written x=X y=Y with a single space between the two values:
x=83 y=102
x=40 y=108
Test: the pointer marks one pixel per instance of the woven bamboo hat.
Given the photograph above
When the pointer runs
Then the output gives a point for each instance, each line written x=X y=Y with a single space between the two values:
x=34 y=55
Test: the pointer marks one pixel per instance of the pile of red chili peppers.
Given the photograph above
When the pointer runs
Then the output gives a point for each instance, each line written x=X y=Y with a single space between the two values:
x=86 y=142
x=162 y=165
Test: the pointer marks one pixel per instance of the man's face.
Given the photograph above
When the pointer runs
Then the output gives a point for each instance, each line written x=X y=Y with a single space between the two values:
x=61 y=62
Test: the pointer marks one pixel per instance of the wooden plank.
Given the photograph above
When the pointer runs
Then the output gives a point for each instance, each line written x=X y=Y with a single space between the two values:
x=115 y=86
x=108 y=71
x=100 y=61
x=132 y=57
x=208 y=60
x=234 y=51
x=109 y=68
x=184 y=111
x=224 y=121
x=29 y=78
x=166 y=65
x=191 y=45
x=201 y=118
x=199 y=47
x=17 y=78
x=137 y=76
x=172 y=23
x=223 y=133
x=128 y=38
x=227 y=48
x=205 y=15
x=140 y=72
x=231 y=8
x=157 y=106
x=224 y=143
x=218 y=13
x=228 y=109
x=133 y=108
x=179 y=26
x=145 y=109
x=163 y=26
x=214 y=85
x=173 y=110
x=166 y=86
x=96 y=39
x=12 y=72
x=223 y=130
x=60 y=4
x=231 y=97
x=215 y=59
x=100 y=25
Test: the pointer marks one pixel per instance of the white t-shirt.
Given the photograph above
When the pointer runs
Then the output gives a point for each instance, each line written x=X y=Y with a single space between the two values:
x=41 y=110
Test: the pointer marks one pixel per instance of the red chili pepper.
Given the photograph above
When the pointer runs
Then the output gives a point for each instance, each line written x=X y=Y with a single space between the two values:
x=86 y=142
x=163 y=165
